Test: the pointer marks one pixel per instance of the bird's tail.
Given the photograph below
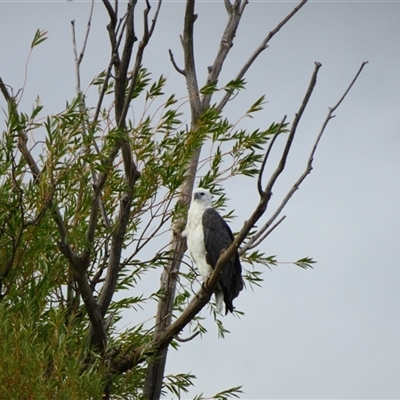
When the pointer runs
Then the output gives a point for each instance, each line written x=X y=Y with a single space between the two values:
x=219 y=299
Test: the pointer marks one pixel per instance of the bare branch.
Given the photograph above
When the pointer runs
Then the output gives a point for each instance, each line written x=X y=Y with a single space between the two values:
x=299 y=114
x=253 y=242
x=138 y=60
x=171 y=57
x=333 y=109
x=315 y=146
x=113 y=30
x=121 y=77
x=267 y=153
x=102 y=93
x=190 y=68
x=74 y=47
x=86 y=34
x=121 y=68
x=228 y=5
x=263 y=45
x=111 y=12
x=235 y=13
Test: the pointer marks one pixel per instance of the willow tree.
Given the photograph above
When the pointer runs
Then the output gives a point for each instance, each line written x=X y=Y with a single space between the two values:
x=85 y=191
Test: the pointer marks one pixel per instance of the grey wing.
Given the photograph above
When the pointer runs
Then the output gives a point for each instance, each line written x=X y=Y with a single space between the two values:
x=217 y=237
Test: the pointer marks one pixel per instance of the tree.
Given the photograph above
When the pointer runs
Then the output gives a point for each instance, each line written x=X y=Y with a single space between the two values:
x=77 y=216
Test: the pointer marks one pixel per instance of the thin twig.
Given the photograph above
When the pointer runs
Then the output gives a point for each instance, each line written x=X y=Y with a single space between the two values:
x=75 y=49
x=349 y=88
x=253 y=242
x=171 y=57
x=299 y=114
x=267 y=153
x=87 y=33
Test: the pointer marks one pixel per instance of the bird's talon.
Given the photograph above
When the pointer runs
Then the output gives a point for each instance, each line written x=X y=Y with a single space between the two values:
x=204 y=285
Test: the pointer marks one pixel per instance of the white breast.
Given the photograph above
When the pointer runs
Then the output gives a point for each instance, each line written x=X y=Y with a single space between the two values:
x=195 y=241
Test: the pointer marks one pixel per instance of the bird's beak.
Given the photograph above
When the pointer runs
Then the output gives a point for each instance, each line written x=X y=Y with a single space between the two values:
x=197 y=196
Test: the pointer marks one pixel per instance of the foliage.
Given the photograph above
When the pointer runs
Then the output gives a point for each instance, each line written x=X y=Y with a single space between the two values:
x=42 y=302
x=45 y=320
x=40 y=351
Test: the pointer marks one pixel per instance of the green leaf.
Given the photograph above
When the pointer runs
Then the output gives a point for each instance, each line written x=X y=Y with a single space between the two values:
x=156 y=88
x=305 y=263
x=40 y=36
x=229 y=393
x=257 y=106
x=235 y=85
x=209 y=88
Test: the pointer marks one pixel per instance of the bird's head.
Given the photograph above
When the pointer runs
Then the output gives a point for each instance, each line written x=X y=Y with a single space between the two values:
x=202 y=196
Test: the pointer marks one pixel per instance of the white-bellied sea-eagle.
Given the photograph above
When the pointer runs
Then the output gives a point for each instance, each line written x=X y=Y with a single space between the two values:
x=207 y=235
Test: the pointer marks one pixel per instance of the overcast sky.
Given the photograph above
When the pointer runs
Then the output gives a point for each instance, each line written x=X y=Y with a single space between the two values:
x=331 y=332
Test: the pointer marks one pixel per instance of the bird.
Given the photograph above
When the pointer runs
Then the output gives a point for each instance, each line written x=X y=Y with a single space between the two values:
x=207 y=235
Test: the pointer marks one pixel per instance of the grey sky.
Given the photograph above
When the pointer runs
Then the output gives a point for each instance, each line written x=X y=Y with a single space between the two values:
x=331 y=332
